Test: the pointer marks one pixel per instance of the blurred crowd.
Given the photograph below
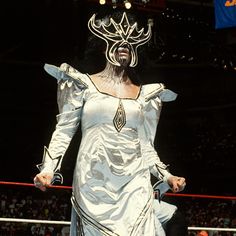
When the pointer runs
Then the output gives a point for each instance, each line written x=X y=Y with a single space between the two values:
x=55 y=205
x=34 y=205
x=203 y=150
x=214 y=213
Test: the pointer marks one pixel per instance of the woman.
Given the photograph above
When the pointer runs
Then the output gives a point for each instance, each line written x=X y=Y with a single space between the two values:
x=112 y=191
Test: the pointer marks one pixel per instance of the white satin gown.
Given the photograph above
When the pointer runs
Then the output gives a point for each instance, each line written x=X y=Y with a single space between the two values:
x=112 y=193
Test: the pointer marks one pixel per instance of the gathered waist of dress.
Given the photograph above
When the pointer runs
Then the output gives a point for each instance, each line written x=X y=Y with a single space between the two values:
x=119 y=149
x=110 y=135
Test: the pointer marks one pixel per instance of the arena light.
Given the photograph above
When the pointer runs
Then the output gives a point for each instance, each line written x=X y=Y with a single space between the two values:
x=127 y=4
x=102 y=2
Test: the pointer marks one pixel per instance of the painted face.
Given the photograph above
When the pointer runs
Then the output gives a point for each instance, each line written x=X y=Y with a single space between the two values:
x=122 y=39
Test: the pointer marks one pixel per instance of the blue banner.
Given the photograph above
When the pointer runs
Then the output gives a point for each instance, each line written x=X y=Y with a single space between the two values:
x=225 y=13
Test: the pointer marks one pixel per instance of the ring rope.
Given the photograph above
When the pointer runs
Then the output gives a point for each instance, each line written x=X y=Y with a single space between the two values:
x=212 y=229
x=201 y=196
x=32 y=185
x=167 y=194
x=18 y=220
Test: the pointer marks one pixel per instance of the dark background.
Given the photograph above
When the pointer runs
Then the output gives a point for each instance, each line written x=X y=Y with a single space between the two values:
x=196 y=133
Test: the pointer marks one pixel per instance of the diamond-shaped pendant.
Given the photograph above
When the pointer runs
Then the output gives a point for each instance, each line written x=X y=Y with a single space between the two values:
x=120 y=117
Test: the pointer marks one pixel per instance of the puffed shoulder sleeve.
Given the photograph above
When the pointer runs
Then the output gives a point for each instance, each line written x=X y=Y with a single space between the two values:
x=70 y=97
x=70 y=83
x=154 y=95
x=158 y=92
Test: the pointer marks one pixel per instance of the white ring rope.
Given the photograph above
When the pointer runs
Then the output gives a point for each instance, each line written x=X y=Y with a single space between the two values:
x=17 y=220
x=35 y=221
x=212 y=229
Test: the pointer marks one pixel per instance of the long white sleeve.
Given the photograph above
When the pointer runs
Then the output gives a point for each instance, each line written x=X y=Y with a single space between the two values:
x=70 y=102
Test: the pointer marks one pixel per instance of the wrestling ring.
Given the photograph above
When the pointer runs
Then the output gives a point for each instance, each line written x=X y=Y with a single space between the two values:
x=5 y=219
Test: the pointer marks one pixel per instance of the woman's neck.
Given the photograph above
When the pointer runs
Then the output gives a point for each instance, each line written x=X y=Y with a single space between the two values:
x=114 y=74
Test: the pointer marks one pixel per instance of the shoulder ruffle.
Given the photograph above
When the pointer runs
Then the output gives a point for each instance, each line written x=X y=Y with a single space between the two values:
x=71 y=86
x=158 y=90
x=66 y=75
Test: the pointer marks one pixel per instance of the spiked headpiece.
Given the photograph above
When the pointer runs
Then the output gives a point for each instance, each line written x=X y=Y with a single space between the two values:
x=119 y=34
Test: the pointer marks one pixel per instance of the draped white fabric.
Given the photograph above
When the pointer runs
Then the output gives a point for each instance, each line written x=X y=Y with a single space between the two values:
x=112 y=192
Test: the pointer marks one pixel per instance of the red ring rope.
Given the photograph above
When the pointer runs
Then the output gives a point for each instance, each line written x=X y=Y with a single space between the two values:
x=32 y=185
x=167 y=194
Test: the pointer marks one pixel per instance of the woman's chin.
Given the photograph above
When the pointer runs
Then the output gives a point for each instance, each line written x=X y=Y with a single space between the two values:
x=123 y=61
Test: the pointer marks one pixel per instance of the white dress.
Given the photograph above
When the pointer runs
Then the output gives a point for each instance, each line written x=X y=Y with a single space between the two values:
x=112 y=192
